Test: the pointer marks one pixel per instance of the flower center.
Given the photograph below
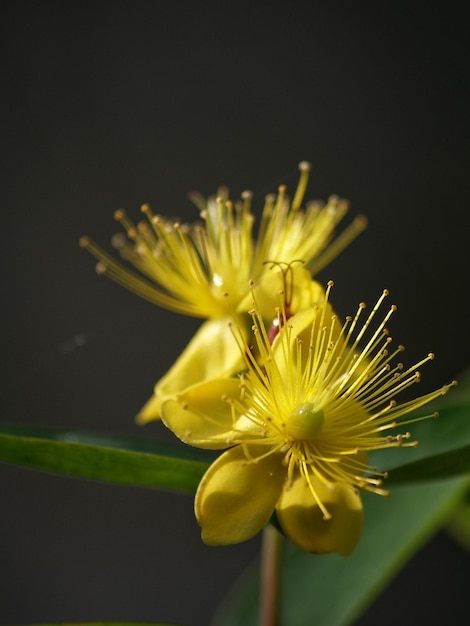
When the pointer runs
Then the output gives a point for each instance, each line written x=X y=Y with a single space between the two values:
x=305 y=421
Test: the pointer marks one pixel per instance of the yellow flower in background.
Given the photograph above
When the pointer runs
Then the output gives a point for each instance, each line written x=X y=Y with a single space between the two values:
x=190 y=268
x=299 y=424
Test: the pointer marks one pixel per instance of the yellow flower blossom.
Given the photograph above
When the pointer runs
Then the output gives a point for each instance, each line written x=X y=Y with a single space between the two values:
x=298 y=425
x=189 y=269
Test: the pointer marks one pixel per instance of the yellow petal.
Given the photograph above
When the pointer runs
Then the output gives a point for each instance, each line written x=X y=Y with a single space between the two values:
x=201 y=415
x=303 y=521
x=236 y=498
x=297 y=284
x=306 y=292
x=319 y=319
x=211 y=353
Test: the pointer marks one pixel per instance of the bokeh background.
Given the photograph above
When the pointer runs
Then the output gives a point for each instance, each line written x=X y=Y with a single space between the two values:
x=110 y=104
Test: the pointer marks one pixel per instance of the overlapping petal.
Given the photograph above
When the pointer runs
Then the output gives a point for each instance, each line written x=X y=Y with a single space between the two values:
x=201 y=415
x=236 y=497
x=211 y=354
x=303 y=521
x=281 y=283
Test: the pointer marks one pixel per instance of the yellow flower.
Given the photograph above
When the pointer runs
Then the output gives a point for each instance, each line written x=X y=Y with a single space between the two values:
x=299 y=426
x=189 y=269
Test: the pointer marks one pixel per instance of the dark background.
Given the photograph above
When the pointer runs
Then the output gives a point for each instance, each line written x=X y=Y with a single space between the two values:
x=112 y=104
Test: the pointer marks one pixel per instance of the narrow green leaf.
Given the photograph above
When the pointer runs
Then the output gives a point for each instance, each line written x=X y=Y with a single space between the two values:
x=459 y=526
x=436 y=467
x=449 y=432
x=106 y=464
x=176 y=450
x=333 y=591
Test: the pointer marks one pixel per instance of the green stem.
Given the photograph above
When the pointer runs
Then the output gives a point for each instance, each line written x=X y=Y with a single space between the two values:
x=271 y=567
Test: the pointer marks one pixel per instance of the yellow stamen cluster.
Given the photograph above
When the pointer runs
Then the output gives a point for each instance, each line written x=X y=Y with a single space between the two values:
x=322 y=402
x=188 y=268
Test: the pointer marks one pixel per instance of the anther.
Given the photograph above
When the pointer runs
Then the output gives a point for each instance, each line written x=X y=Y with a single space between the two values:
x=360 y=222
x=305 y=166
x=119 y=215
x=118 y=241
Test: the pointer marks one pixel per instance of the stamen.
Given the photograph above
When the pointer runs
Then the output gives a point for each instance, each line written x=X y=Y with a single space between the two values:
x=304 y=168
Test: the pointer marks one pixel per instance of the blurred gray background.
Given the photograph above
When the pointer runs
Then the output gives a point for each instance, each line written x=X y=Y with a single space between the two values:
x=110 y=104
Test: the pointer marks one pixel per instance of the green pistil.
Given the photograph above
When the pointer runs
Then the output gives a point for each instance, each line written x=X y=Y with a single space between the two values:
x=305 y=421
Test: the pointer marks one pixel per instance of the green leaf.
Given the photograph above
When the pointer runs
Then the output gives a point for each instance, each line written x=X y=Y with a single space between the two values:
x=177 y=450
x=333 y=591
x=436 y=467
x=447 y=434
x=107 y=464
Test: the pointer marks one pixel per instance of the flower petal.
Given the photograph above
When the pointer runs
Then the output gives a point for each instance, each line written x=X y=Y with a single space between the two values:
x=211 y=353
x=303 y=291
x=236 y=497
x=201 y=415
x=303 y=522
